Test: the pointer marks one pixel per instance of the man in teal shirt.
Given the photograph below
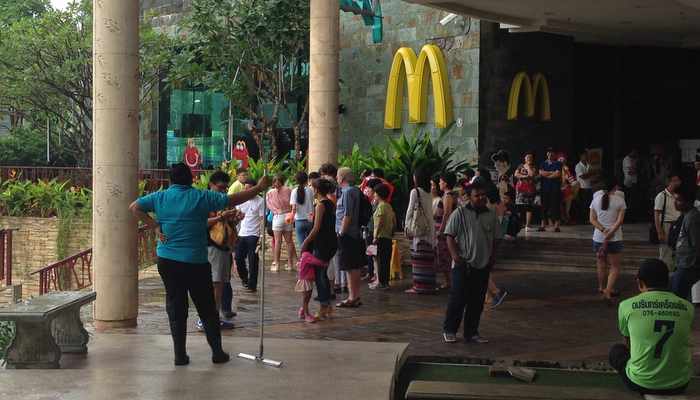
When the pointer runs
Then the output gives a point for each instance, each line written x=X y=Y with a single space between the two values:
x=181 y=214
x=656 y=325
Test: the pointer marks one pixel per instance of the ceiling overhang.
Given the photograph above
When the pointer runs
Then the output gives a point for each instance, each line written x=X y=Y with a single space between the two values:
x=668 y=23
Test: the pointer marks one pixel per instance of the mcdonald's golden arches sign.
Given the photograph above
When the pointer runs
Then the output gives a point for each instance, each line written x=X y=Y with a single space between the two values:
x=534 y=90
x=415 y=71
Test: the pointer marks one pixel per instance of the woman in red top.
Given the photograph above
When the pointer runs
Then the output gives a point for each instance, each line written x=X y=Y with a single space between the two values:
x=278 y=203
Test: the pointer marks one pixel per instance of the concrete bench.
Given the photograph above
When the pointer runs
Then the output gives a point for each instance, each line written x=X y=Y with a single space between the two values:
x=45 y=327
x=432 y=390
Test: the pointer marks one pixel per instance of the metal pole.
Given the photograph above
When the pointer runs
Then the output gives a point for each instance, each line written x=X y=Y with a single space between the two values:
x=261 y=350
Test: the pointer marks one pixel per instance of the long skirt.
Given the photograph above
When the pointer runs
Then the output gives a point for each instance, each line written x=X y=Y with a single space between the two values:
x=423 y=263
x=443 y=261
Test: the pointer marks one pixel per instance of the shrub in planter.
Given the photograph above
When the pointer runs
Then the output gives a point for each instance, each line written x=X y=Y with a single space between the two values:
x=7 y=332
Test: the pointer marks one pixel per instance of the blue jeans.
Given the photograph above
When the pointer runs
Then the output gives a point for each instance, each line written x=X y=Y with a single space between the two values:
x=247 y=260
x=323 y=286
x=682 y=281
x=303 y=228
x=467 y=296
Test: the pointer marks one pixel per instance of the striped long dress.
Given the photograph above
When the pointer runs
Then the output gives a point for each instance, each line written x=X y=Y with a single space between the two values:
x=423 y=248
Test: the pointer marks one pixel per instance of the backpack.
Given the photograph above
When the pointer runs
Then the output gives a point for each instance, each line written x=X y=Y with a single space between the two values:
x=674 y=232
x=365 y=210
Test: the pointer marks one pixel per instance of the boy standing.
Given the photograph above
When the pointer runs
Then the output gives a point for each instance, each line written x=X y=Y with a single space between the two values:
x=248 y=236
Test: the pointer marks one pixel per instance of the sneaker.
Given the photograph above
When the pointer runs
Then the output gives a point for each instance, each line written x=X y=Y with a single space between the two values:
x=449 y=337
x=226 y=325
x=199 y=325
x=373 y=286
x=476 y=339
x=498 y=299
x=274 y=267
x=528 y=229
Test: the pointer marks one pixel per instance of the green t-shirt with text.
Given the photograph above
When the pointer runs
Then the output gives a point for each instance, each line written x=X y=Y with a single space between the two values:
x=658 y=324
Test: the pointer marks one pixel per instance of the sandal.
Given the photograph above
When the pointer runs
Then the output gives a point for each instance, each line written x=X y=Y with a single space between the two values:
x=349 y=303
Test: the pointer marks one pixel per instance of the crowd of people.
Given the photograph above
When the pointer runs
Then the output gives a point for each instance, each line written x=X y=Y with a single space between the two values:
x=345 y=227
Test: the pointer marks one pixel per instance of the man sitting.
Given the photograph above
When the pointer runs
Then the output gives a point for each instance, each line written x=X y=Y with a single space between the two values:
x=656 y=325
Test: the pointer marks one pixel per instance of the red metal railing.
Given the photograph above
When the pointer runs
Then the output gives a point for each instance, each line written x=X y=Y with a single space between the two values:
x=6 y=256
x=75 y=272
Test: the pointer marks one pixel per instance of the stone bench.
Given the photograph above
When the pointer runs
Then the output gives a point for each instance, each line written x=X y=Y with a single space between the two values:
x=433 y=390
x=45 y=327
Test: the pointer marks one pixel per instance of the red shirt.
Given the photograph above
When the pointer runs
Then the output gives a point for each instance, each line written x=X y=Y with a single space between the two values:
x=363 y=188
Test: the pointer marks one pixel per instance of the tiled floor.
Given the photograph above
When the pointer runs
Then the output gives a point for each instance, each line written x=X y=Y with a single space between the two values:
x=547 y=316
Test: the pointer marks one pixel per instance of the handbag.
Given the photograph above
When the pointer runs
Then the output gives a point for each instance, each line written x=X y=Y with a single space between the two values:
x=418 y=225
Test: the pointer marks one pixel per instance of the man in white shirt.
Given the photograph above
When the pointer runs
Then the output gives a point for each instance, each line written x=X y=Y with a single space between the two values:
x=248 y=236
x=665 y=214
x=584 y=176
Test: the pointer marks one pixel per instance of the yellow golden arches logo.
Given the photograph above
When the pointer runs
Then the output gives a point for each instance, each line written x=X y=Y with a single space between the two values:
x=534 y=89
x=413 y=70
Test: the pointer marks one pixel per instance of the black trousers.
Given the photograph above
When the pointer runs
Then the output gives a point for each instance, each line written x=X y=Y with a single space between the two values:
x=551 y=204
x=181 y=279
x=467 y=296
x=619 y=356
x=383 y=259
x=247 y=260
x=585 y=197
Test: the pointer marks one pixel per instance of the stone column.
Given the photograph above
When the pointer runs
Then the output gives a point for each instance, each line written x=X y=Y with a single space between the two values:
x=323 y=83
x=115 y=161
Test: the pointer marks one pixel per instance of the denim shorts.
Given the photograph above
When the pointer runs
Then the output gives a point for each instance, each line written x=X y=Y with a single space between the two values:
x=613 y=247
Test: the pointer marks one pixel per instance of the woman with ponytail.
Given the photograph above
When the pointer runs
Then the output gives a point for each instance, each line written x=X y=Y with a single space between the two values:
x=607 y=216
x=302 y=202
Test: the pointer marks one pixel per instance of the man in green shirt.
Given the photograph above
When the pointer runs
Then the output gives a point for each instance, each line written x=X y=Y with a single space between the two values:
x=656 y=324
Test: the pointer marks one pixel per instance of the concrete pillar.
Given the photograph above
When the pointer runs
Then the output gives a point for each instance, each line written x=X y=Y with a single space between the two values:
x=115 y=161
x=323 y=83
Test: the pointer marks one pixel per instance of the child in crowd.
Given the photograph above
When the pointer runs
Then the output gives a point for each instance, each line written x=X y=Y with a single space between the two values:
x=510 y=222
x=384 y=220
x=317 y=250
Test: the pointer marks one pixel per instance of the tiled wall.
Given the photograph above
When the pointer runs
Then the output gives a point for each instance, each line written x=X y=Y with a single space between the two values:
x=364 y=71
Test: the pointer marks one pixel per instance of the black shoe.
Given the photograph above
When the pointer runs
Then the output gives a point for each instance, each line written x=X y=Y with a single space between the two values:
x=178 y=330
x=333 y=296
x=182 y=360
x=220 y=357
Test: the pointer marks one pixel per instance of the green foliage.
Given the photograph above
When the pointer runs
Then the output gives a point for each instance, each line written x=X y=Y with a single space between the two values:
x=20 y=198
x=46 y=71
x=7 y=332
x=14 y=10
x=201 y=182
x=284 y=166
x=400 y=157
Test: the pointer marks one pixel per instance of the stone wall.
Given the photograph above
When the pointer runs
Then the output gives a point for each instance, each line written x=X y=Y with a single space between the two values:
x=35 y=245
x=365 y=66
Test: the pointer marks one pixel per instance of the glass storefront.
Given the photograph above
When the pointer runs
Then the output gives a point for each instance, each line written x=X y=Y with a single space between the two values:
x=197 y=128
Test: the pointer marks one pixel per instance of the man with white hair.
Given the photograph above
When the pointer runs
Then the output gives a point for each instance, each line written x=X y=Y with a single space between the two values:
x=351 y=247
